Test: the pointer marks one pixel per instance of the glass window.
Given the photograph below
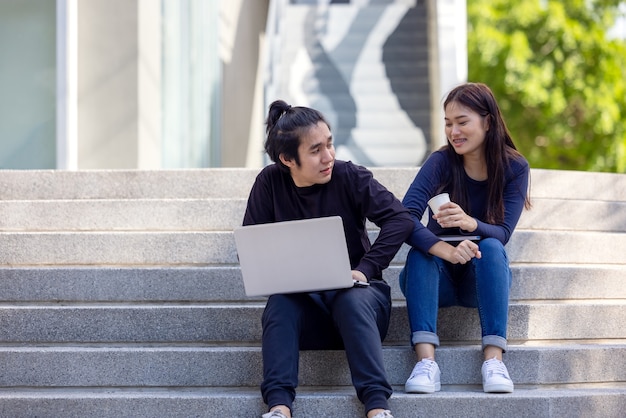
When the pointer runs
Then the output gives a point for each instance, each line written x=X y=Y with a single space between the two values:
x=28 y=84
x=191 y=84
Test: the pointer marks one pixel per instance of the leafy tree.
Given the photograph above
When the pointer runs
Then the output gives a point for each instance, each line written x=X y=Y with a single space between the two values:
x=561 y=82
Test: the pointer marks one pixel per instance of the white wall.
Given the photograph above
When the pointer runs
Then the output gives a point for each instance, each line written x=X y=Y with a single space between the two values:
x=119 y=84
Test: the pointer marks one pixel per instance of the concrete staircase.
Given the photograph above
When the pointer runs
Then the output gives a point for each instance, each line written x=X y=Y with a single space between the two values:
x=120 y=296
x=364 y=65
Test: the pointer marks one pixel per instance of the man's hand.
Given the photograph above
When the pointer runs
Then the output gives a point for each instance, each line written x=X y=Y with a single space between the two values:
x=357 y=275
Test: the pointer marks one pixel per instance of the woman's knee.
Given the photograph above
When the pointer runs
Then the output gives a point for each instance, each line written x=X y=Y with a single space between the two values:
x=492 y=269
x=421 y=272
x=493 y=257
x=416 y=257
x=419 y=264
x=402 y=280
x=492 y=248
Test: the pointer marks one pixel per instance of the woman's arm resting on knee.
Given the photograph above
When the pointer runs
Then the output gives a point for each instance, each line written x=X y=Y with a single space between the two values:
x=461 y=254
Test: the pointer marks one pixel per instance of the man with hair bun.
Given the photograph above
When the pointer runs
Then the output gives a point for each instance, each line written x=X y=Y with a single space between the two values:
x=305 y=182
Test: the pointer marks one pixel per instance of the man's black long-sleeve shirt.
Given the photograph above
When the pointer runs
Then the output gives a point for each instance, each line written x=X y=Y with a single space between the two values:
x=353 y=194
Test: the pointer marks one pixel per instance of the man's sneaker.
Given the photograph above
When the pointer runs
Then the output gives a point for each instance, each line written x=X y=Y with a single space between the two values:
x=383 y=414
x=496 y=377
x=425 y=378
x=274 y=414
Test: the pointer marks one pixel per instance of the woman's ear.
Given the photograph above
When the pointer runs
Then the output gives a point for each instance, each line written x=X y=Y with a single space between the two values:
x=486 y=121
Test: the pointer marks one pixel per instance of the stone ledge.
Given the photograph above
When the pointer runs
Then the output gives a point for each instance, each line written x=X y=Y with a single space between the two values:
x=329 y=403
x=240 y=323
x=186 y=366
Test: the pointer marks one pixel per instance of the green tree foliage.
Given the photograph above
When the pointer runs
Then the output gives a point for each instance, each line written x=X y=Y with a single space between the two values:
x=561 y=82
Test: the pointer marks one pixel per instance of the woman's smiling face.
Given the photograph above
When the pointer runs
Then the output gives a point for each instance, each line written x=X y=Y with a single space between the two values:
x=465 y=129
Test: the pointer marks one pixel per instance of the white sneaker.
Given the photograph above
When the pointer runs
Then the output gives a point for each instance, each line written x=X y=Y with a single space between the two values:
x=496 y=377
x=274 y=414
x=384 y=414
x=425 y=378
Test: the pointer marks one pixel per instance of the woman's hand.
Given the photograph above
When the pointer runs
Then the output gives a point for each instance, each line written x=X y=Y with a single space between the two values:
x=451 y=215
x=461 y=254
x=464 y=252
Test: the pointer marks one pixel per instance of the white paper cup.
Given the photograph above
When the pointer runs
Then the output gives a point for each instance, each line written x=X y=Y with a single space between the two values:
x=436 y=202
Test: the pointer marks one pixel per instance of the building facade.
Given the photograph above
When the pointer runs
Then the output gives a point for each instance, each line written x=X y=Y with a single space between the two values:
x=151 y=84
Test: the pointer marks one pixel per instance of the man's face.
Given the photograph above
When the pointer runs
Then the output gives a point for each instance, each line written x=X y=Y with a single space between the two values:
x=317 y=157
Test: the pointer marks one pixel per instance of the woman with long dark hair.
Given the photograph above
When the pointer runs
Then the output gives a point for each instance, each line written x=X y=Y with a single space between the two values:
x=487 y=182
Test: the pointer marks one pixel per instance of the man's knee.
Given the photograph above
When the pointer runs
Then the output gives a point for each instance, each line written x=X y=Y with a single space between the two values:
x=281 y=307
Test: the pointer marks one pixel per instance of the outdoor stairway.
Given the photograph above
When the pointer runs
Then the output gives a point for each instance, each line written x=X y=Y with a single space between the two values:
x=364 y=65
x=120 y=296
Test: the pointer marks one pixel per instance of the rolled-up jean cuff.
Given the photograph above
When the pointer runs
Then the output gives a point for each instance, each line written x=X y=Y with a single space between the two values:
x=496 y=341
x=421 y=337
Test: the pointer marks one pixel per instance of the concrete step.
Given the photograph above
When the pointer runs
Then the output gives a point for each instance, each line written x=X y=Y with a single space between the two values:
x=122 y=284
x=545 y=184
x=562 y=247
x=400 y=73
x=117 y=248
x=461 y=402
x=368 y=14
x=368 y=87
x=375 y=119
x=402 y=69
x=224 y=283
x=202 y=366
x=373 y=102
x=240 y=323
x=222 y=214
x=575 y=215
x=218 y=247
x=236 y=183
x=214 y=214
x=403 y=43
x=410 y=145
x=355 y=51
x=126 y=184
x=578 y=185
x=568 y=281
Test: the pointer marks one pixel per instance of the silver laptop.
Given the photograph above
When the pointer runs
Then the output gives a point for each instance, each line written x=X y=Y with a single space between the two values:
x=293 y=256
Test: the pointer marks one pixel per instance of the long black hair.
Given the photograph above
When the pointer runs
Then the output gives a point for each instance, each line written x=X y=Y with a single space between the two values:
x=285 y=126
x=499 y=150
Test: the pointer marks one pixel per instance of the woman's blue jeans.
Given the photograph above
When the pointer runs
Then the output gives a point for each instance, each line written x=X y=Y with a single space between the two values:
x=430 y=283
